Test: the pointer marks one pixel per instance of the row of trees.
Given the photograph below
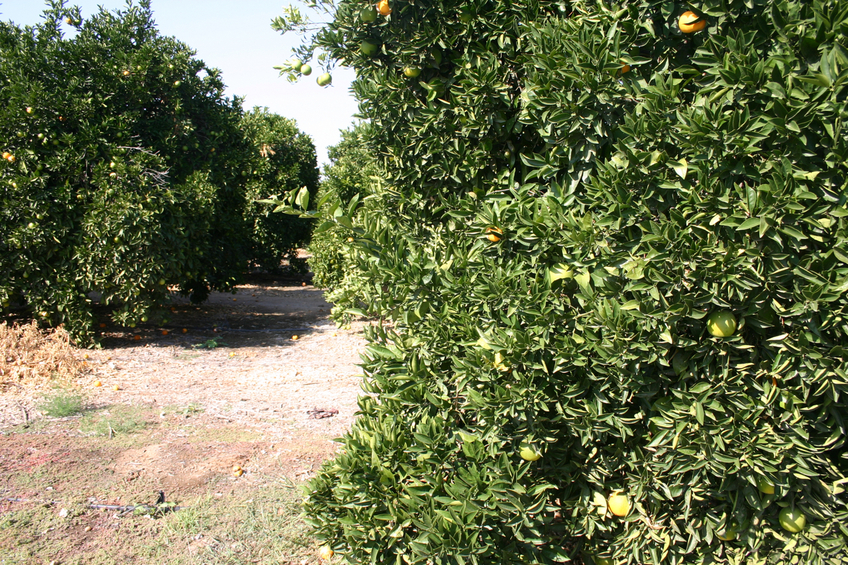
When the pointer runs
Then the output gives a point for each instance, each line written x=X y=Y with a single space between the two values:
x=126 y=170
x=614 y=252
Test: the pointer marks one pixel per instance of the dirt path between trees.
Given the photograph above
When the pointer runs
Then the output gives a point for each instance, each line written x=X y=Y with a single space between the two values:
x=260 y=379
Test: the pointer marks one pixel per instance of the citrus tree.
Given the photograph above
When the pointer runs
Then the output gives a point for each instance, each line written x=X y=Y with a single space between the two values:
x=348 y=182
x=125 y=170
x=283 y=159
x=612 y=243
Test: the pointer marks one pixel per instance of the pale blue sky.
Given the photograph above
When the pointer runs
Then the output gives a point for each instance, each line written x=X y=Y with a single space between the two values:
x=236 y=37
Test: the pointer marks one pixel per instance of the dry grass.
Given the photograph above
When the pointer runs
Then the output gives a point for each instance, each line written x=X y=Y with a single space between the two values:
x=34 y=356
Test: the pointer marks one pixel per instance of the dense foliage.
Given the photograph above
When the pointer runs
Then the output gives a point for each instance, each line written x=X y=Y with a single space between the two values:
x=125 y=170
x=348 y=181
x=611 y=244
x=283 y=160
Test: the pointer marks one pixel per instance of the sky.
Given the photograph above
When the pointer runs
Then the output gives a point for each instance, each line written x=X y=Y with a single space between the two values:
x=236 y=37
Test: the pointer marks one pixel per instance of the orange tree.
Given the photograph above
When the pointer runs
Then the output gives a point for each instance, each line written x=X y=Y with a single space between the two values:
x=614 y=253
x=348 y=181
x=125 y=170
x=283 y=159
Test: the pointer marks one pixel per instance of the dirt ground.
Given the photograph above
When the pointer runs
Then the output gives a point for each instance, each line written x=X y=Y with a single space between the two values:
x=260 y=380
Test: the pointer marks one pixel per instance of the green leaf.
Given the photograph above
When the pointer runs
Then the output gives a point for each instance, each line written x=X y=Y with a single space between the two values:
x=680 y=167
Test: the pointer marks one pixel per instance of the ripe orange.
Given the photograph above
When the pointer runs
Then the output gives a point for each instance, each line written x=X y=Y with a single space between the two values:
x=618 y=504
x=690 y=22
x=295 y=338
x=137 y=337
x=165 y=332
x=98 y=383
x=494 y=234
x=185 y=330
x=384 y=8
x=116 y=387
x=238 y=471
x=102 y=324
x=6 y=154
x=325 y=553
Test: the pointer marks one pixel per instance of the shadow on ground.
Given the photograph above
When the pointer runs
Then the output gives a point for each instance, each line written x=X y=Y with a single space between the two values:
x=265 y=311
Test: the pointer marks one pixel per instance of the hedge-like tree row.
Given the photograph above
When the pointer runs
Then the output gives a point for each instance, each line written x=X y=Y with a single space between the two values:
x=126 y=171
x=613 y=242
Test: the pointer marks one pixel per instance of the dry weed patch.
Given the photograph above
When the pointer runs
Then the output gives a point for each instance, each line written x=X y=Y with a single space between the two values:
x=35 y=356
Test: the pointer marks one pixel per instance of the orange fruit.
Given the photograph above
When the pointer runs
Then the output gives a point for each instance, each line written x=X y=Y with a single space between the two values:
x=102 y=324
x=384 y=8
x=185 y=330
x=325 y=553
x=792 y=520
x=238 y=471
x=98 y=383
x=721 y=323
x=494 y=234
x=165 y=332
x=625 y=69
x=618 y=504
x=137 y=337
x=116 y=387
x=529 y=452
x=690 y=22
x=726 y=534
x=295 y=338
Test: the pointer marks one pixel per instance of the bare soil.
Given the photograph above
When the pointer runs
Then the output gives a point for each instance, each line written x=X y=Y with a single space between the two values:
x=260 y=379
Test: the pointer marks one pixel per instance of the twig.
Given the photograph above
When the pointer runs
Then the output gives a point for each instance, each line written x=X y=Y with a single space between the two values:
x=26 y=413
x=119 y=508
